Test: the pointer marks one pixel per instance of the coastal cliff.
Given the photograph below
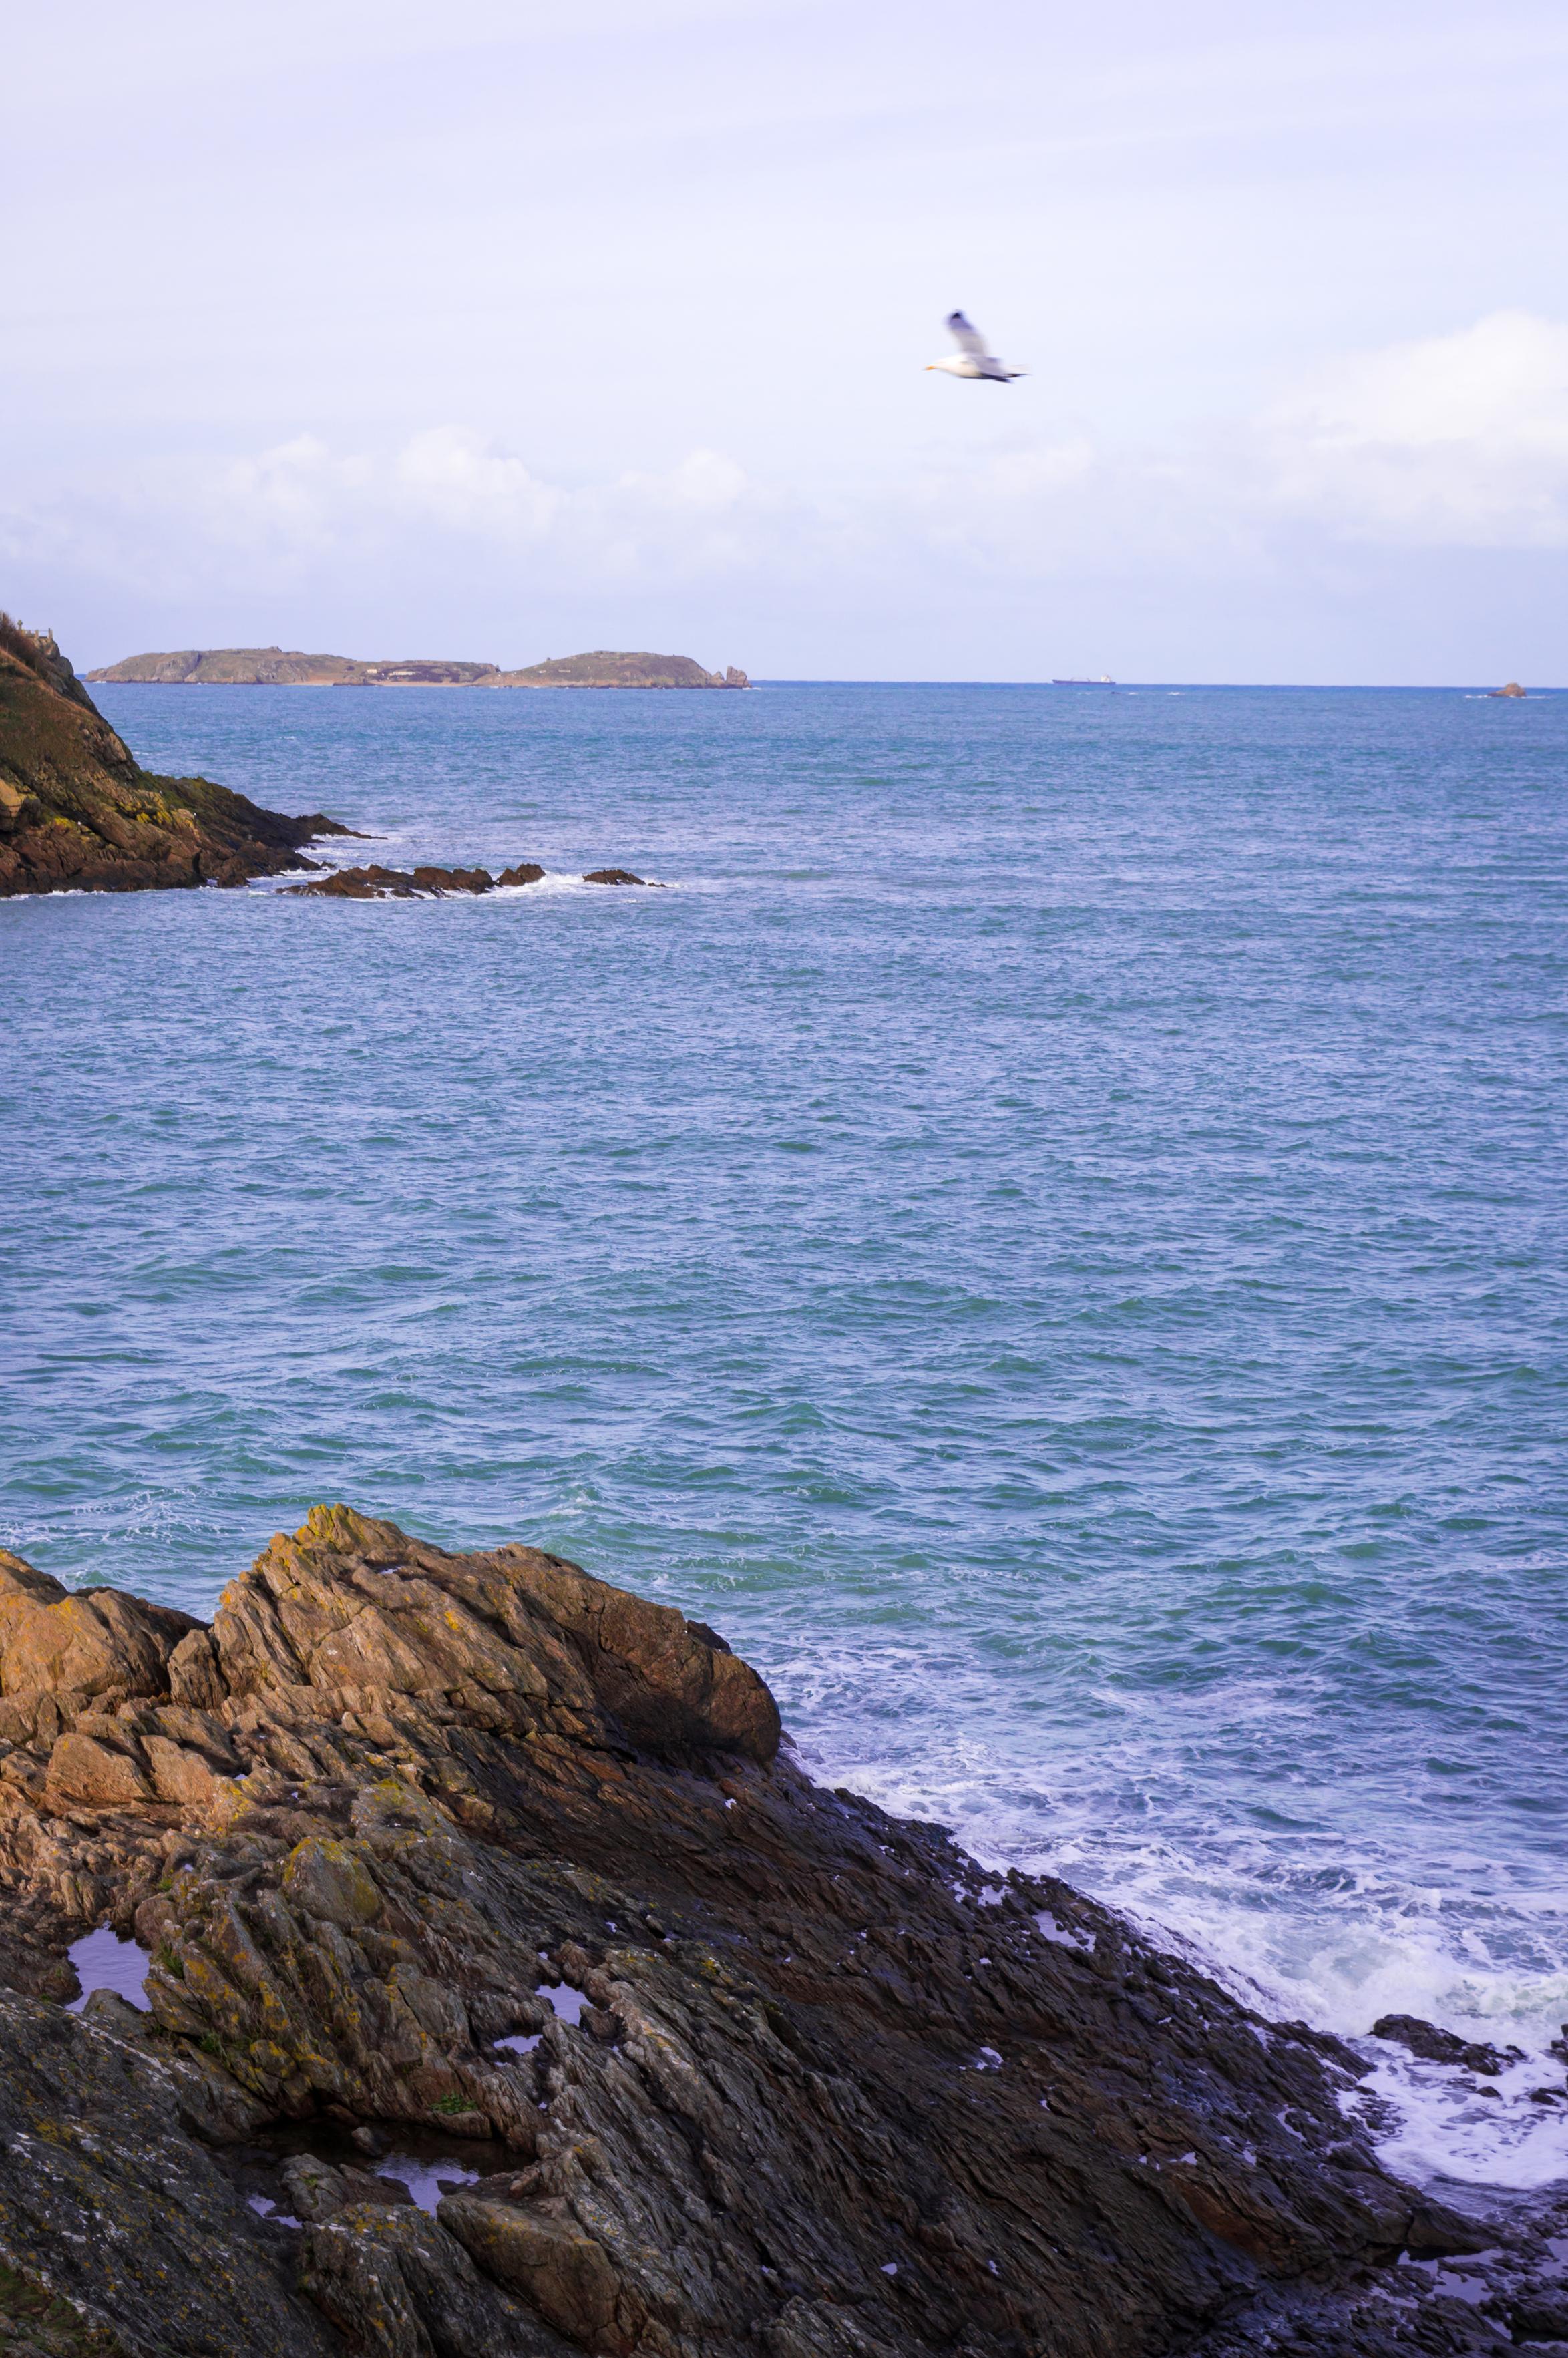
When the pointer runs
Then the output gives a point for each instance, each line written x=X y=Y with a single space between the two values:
x=78 y=814
x=478 y=1851
x=280 y=667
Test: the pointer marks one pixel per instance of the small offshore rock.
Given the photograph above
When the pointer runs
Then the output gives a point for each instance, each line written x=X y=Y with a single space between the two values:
x=1432 y=2045
x=616 y=876
x=378 y=884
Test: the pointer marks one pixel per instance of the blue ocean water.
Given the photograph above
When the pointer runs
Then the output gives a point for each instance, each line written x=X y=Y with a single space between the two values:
x=1050 y=1235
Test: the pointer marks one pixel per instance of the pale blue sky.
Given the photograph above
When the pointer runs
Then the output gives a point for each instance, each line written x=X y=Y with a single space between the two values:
x=407 y=329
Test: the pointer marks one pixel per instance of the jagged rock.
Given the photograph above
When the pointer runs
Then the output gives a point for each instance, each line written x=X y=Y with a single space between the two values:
x=475 y=1845
x=395 y=2283
x=1436 y=2046
x=78 y=814
x=108 y=2201
x=376 y=883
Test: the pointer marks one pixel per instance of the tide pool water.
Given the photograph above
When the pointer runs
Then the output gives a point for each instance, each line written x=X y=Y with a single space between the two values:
x=1050 y=1236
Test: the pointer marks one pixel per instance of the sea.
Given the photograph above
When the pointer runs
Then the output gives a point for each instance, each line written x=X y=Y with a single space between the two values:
x=1048 y=1231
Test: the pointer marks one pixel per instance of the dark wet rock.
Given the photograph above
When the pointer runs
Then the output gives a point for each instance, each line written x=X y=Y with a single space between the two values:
x=377 y=884
x=110 y=2202
x=429 y=1845
x=1433 y=2045
x=394 y=2282
x=319 y=2190
x=78 y=814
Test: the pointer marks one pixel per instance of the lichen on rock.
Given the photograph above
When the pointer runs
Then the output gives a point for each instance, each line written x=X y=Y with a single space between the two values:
x=78 y=814
x=475 y=1846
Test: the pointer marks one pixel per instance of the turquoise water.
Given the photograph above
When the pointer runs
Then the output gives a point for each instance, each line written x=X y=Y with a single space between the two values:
x=1051 y=1238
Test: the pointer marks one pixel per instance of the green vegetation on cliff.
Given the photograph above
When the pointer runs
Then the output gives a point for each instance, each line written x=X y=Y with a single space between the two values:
x=78 y=814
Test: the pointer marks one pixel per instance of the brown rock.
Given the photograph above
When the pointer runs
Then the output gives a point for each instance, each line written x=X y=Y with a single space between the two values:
x=558 y=2269
x=518 y=1855
x=83 y=1769
x=91 y=1642
x=78 y=814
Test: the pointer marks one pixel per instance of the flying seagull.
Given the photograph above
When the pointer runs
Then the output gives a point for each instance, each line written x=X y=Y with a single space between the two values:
x=973 y=358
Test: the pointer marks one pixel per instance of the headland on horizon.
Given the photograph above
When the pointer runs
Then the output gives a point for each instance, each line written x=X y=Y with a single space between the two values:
x=287 y=667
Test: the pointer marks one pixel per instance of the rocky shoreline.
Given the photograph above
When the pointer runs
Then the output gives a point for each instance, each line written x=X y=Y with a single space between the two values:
x=78 y=814
x=510 y=1989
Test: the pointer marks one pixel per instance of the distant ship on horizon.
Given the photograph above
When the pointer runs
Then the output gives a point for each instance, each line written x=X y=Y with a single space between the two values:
x=1105 y=680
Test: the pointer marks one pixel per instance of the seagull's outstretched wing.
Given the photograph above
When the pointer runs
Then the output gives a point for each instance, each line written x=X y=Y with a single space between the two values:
x=968 y=340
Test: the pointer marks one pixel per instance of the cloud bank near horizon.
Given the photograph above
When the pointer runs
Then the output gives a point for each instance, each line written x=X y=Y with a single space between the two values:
x=1274 y=537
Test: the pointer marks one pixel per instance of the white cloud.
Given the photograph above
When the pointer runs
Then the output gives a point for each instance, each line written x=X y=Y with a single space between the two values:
x=1457 y=441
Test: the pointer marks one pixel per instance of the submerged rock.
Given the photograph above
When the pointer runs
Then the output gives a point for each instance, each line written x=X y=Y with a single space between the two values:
x=77 y=814
x=478 y=1844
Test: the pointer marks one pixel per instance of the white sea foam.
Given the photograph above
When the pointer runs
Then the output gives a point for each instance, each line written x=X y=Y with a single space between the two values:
x=1337 y=1942
x=1454 y=2128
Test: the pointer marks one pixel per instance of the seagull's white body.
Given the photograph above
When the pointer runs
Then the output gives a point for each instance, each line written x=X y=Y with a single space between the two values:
x=973 y=358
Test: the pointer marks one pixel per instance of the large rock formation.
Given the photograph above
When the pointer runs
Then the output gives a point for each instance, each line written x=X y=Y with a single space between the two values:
x=77 y=814
x=476 y=1848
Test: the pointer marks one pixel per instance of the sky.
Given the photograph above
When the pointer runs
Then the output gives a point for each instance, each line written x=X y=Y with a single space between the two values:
x=499 y=331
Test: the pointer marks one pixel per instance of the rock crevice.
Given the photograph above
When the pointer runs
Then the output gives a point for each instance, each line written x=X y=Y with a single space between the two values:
x=477 y=1846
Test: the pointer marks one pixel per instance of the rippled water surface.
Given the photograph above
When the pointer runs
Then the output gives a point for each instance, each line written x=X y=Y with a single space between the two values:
x=1051 y=1236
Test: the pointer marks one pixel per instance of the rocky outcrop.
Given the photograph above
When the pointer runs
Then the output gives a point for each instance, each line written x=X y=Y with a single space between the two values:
x=77 y=815
x=281 y=667
x=375 y=883
x=476 y=1848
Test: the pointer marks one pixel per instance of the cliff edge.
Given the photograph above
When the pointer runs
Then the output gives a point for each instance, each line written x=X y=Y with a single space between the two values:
x=477 y=1849
x=77 y=814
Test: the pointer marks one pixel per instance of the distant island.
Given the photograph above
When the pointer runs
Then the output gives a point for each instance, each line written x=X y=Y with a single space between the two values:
x=286 y=668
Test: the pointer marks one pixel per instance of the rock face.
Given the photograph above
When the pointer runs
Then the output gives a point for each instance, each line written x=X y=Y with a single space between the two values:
x=77 y=814
x=475 y=1845
x=280 y=667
